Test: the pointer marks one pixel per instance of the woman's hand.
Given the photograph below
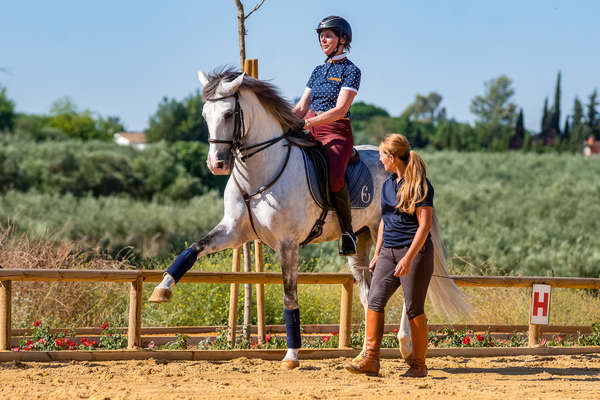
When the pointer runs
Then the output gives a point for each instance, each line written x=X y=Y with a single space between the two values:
x=373 y=263
x=307 y=125
x=403 y=266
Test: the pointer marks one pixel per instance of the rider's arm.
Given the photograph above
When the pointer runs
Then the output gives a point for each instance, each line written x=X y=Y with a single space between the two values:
x=344 y=101
x=301 y=108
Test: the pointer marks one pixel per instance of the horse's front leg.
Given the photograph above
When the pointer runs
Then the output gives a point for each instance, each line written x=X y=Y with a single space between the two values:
x=288 y=251
x=225 y=235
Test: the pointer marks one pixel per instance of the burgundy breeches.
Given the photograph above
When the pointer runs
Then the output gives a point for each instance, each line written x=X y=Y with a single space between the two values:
x=336 y=138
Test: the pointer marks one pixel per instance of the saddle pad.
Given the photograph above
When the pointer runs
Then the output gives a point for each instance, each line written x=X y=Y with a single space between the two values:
x=358 y=181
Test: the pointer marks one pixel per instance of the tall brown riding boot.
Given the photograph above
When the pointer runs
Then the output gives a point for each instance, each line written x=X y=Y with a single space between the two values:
x=370 y=363
x=420 y=338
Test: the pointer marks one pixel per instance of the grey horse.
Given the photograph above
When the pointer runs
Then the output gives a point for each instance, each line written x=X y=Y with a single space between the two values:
x=267 y=197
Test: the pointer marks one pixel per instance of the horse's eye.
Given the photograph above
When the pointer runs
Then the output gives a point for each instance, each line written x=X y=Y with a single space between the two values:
x=228 y=115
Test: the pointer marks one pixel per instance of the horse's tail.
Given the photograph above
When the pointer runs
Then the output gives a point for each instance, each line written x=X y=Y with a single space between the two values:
x=446 y=297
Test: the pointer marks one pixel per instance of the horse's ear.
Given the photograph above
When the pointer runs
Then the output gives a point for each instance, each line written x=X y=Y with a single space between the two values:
x=203 y=79
x=229 y=88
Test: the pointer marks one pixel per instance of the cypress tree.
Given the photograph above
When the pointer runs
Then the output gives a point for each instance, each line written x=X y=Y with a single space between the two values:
x=544 y=124
x=567 y=130
x=591 y=110
x=516 y=141
x=555 y=118
x=577 y=112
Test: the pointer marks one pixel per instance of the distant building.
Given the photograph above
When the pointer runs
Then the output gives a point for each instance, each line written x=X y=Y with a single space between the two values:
x=591 y=148
x=135 y=139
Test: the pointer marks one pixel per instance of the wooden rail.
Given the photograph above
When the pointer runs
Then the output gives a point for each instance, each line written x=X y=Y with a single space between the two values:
x=137 y=279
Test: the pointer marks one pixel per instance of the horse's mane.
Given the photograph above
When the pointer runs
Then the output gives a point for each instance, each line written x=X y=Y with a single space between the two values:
x=266 y=93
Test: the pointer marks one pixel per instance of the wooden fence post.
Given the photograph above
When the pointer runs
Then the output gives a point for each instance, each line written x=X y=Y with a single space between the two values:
x=5 y=314
x=346 y=315
x=247 y=326
x=233 y=299
x=260 y=292
x=534 y=335
x=134 y=338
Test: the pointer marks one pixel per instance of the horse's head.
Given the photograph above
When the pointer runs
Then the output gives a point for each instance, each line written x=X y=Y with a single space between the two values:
x=218 y=111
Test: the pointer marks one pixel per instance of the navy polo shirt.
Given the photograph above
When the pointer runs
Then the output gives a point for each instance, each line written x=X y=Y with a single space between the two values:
x=327 y=80
x=399 y=228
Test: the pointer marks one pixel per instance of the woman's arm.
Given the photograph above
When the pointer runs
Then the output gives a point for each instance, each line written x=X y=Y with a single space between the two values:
x=378 y=247
x=301 y=108
x=344 y=101
x=424 y=216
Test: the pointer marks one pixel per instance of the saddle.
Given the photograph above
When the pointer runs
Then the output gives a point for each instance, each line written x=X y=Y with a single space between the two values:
x=358 y=179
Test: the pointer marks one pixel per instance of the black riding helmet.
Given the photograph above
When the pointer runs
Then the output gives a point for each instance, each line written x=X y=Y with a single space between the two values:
x=339 y=26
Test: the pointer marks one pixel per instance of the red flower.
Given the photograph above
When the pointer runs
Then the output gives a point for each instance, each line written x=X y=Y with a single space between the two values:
x=29 y=343
x=27 y=348
x=37 y=323
x=470 y=332
x=110 y=334
x=104 y=326
x=254 y=344
x=466 y=340
x=86 y=343
x=93 y=342
x=268 y=338
x=480 y=338
x=334 y=333
x=59 y=342
x=490 y=344
x=16 y=349
x=83 y=340
x=42 y=341
x=325 y=339
x=395 y=330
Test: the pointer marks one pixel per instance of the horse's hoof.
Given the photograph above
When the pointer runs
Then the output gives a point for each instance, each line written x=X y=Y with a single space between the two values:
x=289 y=364
x=160 y=295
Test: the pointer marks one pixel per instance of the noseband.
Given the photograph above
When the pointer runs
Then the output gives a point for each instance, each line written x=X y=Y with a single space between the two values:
x=240 y=152
x=237 y=146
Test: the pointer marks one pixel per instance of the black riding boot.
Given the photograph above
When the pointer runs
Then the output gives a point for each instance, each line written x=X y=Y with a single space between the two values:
x=341 y=202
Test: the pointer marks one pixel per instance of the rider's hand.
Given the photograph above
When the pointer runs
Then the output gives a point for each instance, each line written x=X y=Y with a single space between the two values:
x=373 y=263
x=403 y=266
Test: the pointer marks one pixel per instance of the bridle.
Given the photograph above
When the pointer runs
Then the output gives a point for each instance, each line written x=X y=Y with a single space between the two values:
x=240 y=151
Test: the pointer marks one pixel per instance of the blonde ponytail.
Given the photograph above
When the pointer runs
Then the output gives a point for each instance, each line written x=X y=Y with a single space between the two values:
x=415 y=188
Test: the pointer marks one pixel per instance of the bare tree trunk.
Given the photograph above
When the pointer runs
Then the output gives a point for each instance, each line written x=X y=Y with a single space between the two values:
x=241 y=32
x=242 y=28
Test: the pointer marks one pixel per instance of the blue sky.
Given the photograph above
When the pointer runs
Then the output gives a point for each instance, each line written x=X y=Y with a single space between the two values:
x=121 y=57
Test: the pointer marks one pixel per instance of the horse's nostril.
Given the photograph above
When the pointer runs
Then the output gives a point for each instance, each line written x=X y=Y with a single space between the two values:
x=220 y=164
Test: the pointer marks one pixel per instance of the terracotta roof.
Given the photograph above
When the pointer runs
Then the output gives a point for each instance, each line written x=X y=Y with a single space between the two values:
x=133 y=137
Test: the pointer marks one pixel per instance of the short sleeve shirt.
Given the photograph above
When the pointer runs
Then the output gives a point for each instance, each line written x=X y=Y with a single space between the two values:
x=399 y=228
x=327 y=80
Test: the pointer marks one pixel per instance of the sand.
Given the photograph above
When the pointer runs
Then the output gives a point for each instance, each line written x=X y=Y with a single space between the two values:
x=522 y=377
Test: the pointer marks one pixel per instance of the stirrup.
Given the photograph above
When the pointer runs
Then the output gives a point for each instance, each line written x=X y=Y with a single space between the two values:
x=348 y=239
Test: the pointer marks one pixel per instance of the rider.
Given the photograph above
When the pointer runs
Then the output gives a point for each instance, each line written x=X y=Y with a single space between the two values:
x=403 y=254
x=325 y=105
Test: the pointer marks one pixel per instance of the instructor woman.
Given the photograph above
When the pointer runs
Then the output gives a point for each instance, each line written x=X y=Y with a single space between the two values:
x=403 y=254
x=324 y=106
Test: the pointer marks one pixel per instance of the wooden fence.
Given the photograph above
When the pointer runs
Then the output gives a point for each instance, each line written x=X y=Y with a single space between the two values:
x=136 y=279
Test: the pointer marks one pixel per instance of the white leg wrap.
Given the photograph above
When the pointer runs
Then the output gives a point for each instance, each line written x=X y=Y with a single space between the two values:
x=292 y=354
x=167 y=283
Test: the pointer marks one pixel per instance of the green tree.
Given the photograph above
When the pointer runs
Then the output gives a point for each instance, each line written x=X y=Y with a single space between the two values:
x=495 y=105
x=110 y=125
x=178 y=121
x=555 y=117
x=516 y=141
x=75 y=124
x=425 y=108
x=592 y=113
x=545 y=125
x=7 y=111
x=577 y=112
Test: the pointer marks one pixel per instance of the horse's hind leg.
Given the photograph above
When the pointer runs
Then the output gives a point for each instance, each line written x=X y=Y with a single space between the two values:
x=359 y=266
x=223 y=236
x=404 y=338
x=288 y=251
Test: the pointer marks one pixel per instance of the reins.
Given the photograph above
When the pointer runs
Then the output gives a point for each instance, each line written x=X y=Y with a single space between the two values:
x=239 y=152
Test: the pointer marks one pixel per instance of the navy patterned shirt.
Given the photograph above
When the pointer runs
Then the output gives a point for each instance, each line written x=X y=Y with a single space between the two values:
x=399 y=228
x=327 y=80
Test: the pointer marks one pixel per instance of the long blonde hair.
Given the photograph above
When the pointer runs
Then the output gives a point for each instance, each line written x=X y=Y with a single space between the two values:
x=415 y=188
